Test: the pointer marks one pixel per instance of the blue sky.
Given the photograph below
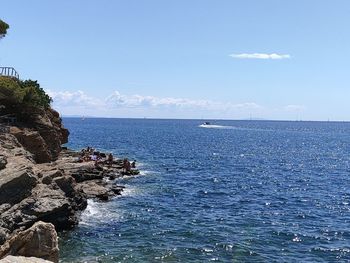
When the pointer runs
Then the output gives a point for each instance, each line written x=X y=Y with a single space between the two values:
x=268 y=59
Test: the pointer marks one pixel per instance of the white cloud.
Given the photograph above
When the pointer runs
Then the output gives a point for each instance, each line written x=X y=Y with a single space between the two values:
x=138 y=101
x=116 y=99
x=76 y=98
x=260 y=56
x=295 y=108
x=121 y=105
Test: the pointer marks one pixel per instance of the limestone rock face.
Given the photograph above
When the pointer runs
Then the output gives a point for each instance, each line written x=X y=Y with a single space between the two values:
x=3 y=162
x=41 y=133
x=38 y=241
x=13 y=259
x=35 y=186
x=15 y=185
x=95 y=189
x=34 y=143
x=46 y=204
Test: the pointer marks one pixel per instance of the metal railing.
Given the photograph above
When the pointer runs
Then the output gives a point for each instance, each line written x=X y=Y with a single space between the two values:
x=9 y=72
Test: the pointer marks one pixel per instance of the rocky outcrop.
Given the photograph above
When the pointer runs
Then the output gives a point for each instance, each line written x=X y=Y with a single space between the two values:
x=15 y=185
x=46 y=204
x=41 y=132
x=33 y=142
x=39 y=241
x=19 y=259
x=3 y=162
x=39 y=182
x=30 y=192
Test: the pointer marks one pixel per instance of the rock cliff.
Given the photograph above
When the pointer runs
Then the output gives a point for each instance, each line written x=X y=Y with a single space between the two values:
x=41 y=132
x=39 y=241
x=30 y=192
x=41 y=182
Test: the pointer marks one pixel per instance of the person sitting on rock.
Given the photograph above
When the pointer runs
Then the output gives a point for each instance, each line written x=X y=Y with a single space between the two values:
x=126 y=166
x=133 y=164
x=110 y=158
x=82 y=152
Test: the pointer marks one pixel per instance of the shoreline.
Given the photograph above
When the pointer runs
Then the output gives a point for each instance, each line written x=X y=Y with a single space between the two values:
x=47 y=197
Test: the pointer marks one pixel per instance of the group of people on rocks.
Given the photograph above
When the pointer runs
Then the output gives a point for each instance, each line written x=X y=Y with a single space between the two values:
x=127 y=165
x=89 y=154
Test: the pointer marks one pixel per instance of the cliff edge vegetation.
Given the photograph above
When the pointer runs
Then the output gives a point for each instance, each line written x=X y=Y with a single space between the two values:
x=3 y=28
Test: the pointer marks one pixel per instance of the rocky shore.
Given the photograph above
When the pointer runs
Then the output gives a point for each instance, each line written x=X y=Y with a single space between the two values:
x=43 y=188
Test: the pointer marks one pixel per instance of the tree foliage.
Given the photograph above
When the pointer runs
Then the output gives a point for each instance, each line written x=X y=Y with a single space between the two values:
x=3 y=28
x=10 y=91
x=34 y=94
x=19 y=93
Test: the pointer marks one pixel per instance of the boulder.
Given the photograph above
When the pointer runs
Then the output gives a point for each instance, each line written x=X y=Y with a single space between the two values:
x=49 y=125
x=48 y=176
x=14 y=259
x=33 y=142
x=4 y=234
x=15 y=185
x=87 y=175
x=41 y=132
x=39 y=241
x=46 y=204
x=3 y=162
x=95 y=189
x=76 y=196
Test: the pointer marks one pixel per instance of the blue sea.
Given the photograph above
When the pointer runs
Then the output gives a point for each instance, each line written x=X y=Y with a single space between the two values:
x=234 y=191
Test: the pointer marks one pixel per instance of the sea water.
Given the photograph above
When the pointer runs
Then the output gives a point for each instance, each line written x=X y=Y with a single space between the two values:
x=239 y=191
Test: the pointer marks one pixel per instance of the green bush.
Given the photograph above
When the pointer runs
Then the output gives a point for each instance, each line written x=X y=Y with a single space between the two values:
x=17 y=93
x=10 y=91
x=34 y=95
x=3 y=28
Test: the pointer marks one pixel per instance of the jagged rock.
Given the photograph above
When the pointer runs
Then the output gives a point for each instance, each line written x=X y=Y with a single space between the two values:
x=49 y=125
x=15 y=185
x=11 y=148
x=4 y=207
x=94 y=189
x=46 y=180
x=46 y=204
x=4 y=233
x=3 y=162
x=38 y=241
x=48 y=176
x=87 y=175
x=117 y=189
x=68 y=185
x=13 y=259
x=8 y=146
x=33 y=142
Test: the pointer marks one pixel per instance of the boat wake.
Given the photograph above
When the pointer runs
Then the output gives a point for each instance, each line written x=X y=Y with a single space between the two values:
x=210 y=126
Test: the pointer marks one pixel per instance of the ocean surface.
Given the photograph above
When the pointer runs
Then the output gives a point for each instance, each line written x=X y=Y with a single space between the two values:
x=235 y=191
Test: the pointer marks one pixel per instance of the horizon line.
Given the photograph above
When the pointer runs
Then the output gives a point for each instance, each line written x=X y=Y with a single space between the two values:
x=201 y=119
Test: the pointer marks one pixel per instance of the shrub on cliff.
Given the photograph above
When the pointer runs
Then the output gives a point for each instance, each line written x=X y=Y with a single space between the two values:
x=34 y=95
x=17 y=93
x=3 y=28
x=11 y=93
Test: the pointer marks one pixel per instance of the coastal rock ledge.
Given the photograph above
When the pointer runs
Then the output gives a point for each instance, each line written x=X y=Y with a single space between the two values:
x=40 y=181
x=19 y=259
x=39 y=241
